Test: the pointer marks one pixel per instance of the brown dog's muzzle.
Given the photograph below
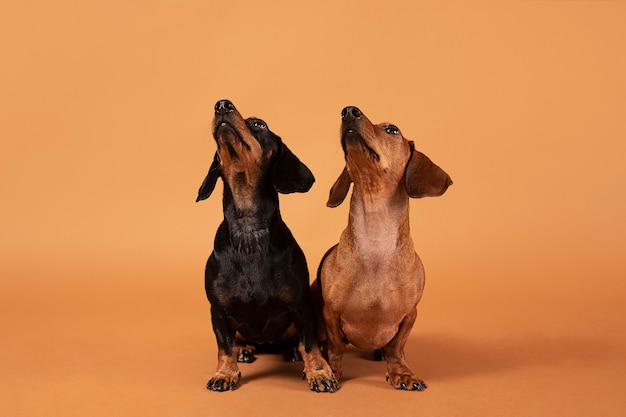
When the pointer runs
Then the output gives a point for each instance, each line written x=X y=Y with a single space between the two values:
x=356 y=128
x=351 y=120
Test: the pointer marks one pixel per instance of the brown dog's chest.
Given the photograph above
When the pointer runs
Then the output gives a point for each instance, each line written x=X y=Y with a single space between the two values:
x=369 y=320
x=370 y=296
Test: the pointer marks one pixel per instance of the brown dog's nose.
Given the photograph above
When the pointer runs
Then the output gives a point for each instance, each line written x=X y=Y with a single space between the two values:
x=351 y=113
x=223 y=107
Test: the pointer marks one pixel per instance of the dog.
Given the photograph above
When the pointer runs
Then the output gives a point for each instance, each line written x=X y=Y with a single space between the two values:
x=368 y=285
x=256 y=278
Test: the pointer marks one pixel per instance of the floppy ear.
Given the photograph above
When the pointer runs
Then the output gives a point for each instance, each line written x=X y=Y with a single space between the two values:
x=211 y=178
x=340 y=189
x=289 y=175
x=422 y=178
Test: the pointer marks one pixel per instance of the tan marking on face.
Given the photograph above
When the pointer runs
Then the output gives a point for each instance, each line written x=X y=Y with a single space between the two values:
x=241 y=157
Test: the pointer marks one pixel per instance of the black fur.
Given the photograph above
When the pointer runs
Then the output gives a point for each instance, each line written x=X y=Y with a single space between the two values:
x=257 y=278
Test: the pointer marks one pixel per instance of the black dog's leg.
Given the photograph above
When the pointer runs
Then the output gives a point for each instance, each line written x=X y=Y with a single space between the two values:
x=316 y=370
x=227 y=375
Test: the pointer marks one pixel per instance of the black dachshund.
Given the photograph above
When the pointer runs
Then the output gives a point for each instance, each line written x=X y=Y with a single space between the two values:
x=256 y=278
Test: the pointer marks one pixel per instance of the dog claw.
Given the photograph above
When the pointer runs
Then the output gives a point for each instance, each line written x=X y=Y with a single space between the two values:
x=326 y=386
x=246 y=356
x=322 y=384
x=293 y=355
x=406 y=382
x=222 y=382
x=333 y=386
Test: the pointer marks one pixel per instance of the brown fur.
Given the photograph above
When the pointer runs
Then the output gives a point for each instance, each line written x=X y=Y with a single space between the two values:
x=369 y=284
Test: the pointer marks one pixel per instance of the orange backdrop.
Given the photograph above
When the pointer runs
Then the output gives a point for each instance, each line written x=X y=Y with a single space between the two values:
x=105 y=127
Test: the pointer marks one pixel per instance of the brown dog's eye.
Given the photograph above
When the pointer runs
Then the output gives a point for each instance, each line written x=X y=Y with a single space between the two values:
x=392 y=130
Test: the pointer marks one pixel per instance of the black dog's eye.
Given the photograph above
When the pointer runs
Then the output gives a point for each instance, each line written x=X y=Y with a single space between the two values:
x=260 y=124
x=392 y=130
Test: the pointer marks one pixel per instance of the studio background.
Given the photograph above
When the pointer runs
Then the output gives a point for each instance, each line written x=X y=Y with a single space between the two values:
x=105 y=121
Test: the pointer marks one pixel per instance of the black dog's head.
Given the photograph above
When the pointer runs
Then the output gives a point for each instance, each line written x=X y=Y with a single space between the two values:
x=247 y=154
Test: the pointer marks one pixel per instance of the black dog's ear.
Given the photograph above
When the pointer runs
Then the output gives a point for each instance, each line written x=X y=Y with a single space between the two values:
x=422 y=178
x=340 y=188
x=211 y=178
x=289 y=175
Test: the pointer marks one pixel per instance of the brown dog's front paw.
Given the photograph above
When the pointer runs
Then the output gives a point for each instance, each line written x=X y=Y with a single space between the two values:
x=224 y=382
x=321 y=380
x=408 y=382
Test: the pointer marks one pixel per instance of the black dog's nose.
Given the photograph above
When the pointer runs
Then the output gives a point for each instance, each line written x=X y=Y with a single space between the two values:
x=223 y=107
x=351 y=113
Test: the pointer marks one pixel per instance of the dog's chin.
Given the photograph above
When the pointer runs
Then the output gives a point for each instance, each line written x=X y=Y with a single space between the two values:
x=353 y=139
x=225 y=133
x=224 y=129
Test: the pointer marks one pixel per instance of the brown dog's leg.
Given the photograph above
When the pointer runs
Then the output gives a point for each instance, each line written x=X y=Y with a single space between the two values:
x=336 y=346
x=227 y=376
x=398 y=373
x=318 y=304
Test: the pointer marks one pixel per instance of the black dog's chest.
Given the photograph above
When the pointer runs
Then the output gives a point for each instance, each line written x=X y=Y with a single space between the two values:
x=255 y=287
x=248 y=285
x=255 y=307
x=257 y=277
x=253 y=281
x=260 y=322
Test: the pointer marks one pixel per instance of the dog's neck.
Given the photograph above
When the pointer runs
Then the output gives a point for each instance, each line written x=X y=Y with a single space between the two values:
x=249 y=223
x=378 y=222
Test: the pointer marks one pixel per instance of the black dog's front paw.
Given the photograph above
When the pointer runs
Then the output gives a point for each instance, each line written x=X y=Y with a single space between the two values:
x=321 y=381
x=224 y=382
x=292 y=354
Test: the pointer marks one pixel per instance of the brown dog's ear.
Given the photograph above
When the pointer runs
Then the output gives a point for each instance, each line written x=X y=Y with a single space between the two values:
x=340 y=188
x=211 y=178
x=422 y=178
x=289 y=175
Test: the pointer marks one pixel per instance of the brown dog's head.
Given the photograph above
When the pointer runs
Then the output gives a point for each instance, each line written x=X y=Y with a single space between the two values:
x=378 y=156
x=248 y=152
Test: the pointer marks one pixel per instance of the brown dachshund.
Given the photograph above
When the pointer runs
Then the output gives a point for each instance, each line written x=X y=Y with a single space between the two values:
x=369 y=284
x=256 y=278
